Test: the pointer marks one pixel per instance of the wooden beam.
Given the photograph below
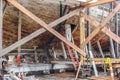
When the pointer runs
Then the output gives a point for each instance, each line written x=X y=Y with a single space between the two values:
x=19 y=29
x=82 y=31
x=42 y=23
x=100 y=2
x=103 y=23
x=82 y=39
x=104 y=30
x=64 y=2
x=111 y=34
x=97 y=3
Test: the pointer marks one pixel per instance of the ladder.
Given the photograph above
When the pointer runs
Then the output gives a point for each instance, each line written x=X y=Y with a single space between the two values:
x=71 y=51
x=73 y=56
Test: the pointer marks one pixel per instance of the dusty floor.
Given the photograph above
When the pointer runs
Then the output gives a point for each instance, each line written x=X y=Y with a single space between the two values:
x=61 y=76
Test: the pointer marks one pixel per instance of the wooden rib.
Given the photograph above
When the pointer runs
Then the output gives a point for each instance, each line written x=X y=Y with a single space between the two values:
x=104 y=22
x=42 y=23
x=104 y=30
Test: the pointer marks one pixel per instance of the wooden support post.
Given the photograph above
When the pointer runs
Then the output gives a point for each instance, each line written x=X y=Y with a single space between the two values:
x=1 y=24
x=82 y=38
x=42 y=23
x=103 y=23
x=111 y=71
x=38 y=32
x=19 y=29
x=104 y=30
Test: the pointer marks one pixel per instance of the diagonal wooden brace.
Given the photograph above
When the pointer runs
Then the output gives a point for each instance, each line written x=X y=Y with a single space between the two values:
x=42 y=23
x=104 y=30
x=103 y=23
x=99 y=2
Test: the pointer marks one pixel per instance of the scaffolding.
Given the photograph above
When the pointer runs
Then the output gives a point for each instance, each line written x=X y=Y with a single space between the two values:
x=76 y=10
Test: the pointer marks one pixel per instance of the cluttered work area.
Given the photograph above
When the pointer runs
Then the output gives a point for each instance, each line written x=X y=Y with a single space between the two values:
x=59 y=40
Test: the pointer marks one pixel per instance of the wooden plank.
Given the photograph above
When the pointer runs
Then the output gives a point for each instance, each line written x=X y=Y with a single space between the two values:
x=103 y=23
x=111 y=34
x=97 y=61
x=100 y=78
x=19 y=29
x=39 y=31
x=104 y=30
x=42 y=23
x=82 y=39
x=100 y=2
x=82 y=31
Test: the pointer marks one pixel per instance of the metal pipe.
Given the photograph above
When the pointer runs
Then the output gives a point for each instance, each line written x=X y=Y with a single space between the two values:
x=89 y=46
x=64 y=52
x=1 y=26
x=88 y=32
x=112 y=48
x=116 y=32
x=111 y=40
